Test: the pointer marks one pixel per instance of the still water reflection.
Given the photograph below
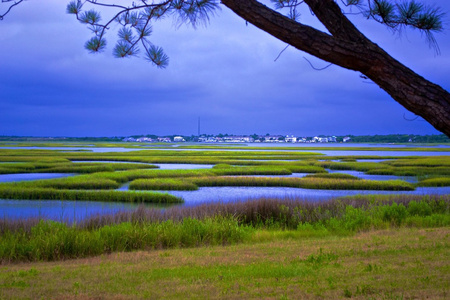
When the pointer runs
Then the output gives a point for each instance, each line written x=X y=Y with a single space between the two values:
x=78 y=210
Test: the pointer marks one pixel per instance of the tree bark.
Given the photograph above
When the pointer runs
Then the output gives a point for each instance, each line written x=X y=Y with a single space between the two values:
x=347 y=47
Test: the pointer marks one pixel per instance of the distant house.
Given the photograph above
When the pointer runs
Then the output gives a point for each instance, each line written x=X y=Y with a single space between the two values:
x=178 y=139
x=272 y=138
x=164 y=140
x=211 y=139
x=290 y=139
x=332 y=139
x=144 y=140
x=129 y=139
x=346 y=139
x=318 y=139
x=238 y=139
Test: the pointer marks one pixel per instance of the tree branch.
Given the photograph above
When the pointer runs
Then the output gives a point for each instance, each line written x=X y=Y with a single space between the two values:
x=10 y=7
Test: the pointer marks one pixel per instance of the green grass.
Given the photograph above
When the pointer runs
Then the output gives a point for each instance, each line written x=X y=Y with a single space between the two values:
x=54 y=241
x=411 y=171
x=87 y=195
x=257 y=170
x=163 y=184
x=130 y=175
x=333 y=175
x=307 y=183
x=68 y=167
x=436 y=182
x=84 y=182
x=387 y=264
x=48 y=240
x=357 y=166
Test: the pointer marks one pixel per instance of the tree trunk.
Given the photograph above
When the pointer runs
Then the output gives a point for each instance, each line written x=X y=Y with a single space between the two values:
x=347 y=47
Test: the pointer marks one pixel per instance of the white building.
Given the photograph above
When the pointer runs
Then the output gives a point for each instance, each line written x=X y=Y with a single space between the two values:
x=178 y=139
x=238 y=139
x=129 y=139
x=164 y=140
x=272 y=138
x=144 y=139
x=290 y=139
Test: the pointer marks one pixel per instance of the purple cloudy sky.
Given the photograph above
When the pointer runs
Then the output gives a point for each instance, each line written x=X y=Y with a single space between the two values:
x=224 y=73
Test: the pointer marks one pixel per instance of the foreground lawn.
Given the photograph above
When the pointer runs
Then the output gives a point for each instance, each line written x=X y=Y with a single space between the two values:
x=274 y=264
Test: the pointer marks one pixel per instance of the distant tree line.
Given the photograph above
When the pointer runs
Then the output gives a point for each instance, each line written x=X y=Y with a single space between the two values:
x=400 y=138
x=58 y=139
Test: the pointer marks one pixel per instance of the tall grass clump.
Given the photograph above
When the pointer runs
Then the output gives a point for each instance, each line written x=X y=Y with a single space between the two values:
x=257 y=170
x=435 y=182
x=164 y=184
x=411 y=171
x=50 y=240
x=307 y=183
x=357 y=166
x=87 y=195
x=215 y=224
x=82 y=182
x=130 y=175
x=333 y=176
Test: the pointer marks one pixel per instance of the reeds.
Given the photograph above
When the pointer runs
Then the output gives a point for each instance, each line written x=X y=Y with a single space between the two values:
x=214 y=224
x=307 y=183
x=259 y=170
x=54 y=241
x=357 y=166
x=435 y=182
x=83 y=182
x=333 y=175
x=411 y=171
x=68 y=167
x=87 y=195
x=163 y=184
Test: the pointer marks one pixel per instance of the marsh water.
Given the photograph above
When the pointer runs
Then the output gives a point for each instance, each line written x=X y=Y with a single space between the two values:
x=309 y=148
x=77 y=210
x=32 y=176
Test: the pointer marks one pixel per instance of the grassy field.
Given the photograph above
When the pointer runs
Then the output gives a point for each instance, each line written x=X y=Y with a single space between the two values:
x=380 y=264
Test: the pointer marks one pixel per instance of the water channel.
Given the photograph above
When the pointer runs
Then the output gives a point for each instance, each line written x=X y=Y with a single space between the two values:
x=77 y=210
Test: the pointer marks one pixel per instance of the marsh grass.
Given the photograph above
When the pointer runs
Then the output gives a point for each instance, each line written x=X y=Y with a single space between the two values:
x=357 y=166
x=435 y=182
x=84 y=182
x=215 y=224
x=49 y=240
x=435 y=161
x=87 y=195
x=411 y=171
x=307 y=183
x=258 y=170
x=130 y=175
x=106 y=175
x=68 y=167
x=163 y=184
x=333 y=175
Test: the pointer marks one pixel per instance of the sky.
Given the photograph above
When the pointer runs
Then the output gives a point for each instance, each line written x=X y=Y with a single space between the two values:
x=225 y=73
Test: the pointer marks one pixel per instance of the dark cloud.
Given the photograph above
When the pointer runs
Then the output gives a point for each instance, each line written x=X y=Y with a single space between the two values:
x=225 y=73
